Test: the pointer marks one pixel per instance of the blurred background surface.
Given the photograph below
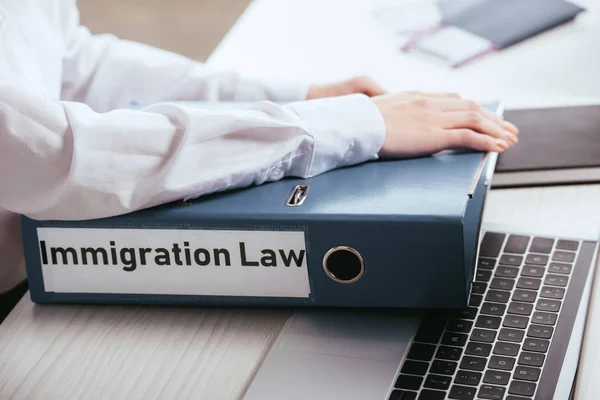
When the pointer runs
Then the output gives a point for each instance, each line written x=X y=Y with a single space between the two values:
x=189 y=27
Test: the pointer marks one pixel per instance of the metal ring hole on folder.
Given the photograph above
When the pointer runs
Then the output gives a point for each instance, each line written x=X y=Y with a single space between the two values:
x=343 y=264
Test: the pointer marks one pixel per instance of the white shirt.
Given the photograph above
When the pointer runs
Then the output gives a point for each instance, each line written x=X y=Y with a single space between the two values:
x=71 y=148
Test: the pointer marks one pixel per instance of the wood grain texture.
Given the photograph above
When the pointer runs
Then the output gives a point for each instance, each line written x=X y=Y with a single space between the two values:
x=112 y=352
x=559 y=210
x=106 y=352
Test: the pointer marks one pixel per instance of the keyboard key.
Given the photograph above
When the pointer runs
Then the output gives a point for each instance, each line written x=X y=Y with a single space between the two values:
x=536 y=259
x=421 y=352
x=539 y=345
x=506 y=349
x=473 y=363
x=491 y=244
x=529 y=283
x=493 y=308
x=531 y=359
x=556 y=280
x=540 y=331
x=483 y=335
x=496 y=377
x=516 y=244
x=427 y=394
x=499 y=296
x=475 y=300
x=560 y=268
x=435 y=319
x=520 y=308
x=524 y=295
x=471 y=378
x=466 y=313
x=483 y=275
x=502 y=283
x=563 y=256
x=549 y=292
x=509 y=259
x=522 y=388
x=532 y=271
x=457 y=325
x=414 y=367
x=486 y=263
x=548 y=305
x=544 y=318
x=541 y=245
x=437 y=382
x=527 y=373
x=511 y=335
x=488 y=322
x=408 y=382
x=502 y=363
x=478 y=349
x=454 y=339
x=448 y=353
x=403 y=395
x=443 y=367
x=430 y=330
x=506 y=272
x=458 y=392
x=509 y=397
x=515 y=321
x=570 y=245
x=478 y=287
x=491 y=392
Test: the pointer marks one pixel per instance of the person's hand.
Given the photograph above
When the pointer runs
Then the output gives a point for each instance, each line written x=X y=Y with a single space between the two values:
x=362 y=84
x=419 y=124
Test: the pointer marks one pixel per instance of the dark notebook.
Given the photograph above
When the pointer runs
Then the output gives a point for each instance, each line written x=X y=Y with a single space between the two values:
x=470 y=29
x=559 y=145
x=506 y=22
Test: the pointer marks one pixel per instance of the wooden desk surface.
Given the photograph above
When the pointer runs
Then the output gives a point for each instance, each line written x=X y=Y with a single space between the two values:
x=112 y=352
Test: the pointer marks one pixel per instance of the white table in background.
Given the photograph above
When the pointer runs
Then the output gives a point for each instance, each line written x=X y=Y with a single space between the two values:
x=113 y=352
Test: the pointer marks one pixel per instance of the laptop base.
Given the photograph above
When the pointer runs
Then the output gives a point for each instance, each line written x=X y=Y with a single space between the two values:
x=519 y=338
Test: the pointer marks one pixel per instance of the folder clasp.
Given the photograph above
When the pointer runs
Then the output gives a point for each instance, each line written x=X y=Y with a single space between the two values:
x=297 y=196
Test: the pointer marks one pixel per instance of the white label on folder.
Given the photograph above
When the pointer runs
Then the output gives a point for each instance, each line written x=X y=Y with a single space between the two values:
x=174 y=261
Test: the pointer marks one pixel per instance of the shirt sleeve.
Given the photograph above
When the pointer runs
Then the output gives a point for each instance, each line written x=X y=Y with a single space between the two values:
x=106 y=72
x=64 y=160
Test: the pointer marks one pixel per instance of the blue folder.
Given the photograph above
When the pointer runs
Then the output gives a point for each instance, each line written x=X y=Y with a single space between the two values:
x=398 y=233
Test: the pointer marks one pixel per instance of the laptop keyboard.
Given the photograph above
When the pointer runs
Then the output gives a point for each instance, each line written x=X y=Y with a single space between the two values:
x=497 y=347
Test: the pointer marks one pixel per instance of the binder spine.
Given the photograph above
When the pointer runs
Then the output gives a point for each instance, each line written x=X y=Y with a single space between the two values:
x=333 y=262
x=472 y=223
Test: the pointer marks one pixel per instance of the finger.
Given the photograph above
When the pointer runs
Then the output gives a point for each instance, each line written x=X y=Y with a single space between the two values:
x=434 y=95
x=374 y=90
x=500 y=120
x=369 y=87
x=470 y=105
x=479 y=122
x=470 y=139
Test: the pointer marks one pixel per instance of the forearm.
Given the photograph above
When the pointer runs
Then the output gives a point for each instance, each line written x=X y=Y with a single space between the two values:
x=63 y=160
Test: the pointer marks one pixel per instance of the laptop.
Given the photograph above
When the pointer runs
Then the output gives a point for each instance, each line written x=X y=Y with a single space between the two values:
x=519 y=338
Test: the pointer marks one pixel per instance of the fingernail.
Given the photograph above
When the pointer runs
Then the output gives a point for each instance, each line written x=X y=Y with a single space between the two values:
x=512 y=137
x=501 y=143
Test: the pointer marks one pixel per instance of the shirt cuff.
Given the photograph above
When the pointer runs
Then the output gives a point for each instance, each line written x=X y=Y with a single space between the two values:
x=346 y=130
